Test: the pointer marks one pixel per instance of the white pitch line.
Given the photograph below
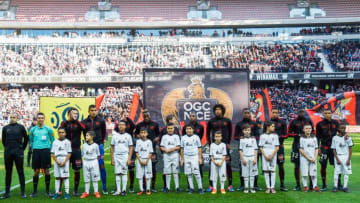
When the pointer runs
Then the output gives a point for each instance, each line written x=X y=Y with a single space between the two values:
x=30 y=180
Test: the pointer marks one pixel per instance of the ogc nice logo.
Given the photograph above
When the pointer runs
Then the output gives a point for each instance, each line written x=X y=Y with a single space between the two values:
x=182 y=101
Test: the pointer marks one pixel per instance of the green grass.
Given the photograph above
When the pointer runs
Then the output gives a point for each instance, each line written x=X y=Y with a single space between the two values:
x=291 y=196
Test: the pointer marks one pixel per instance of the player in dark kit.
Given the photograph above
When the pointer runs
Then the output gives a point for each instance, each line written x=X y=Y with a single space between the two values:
x=94 y=123
x=14 y=140
x=220 y=123
x=168 y=120
x=73 y=129
x=295 y=130
x=281 y=131
x=154 y=133
x=239 y=134
x=325 y=131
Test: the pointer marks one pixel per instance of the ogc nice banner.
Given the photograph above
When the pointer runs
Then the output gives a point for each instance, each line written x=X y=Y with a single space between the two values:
x=180 y=92
x=55 y=109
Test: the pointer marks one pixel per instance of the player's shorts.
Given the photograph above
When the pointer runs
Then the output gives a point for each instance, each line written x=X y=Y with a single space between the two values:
x=218 y=171
x=326 y=154
x=307 y=168
x=76 y=160
x=154 y=158
x=281 y=155
x=61 y=172
x=268 y=165
x=121 y=166
x=171 y=164
x=91 y=170
x=295 y=155
x=250 y=169
x=191 y=165
x=41 y=159
x=343 y=168
x=142 y=171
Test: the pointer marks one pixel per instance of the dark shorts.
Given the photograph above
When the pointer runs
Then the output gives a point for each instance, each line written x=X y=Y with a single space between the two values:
x=281 y=155
x=75 y=160
x=326 y=154
x=295 y=155
x=41 y=159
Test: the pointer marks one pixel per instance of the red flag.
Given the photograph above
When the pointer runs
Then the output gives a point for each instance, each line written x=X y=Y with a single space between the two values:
x=99 y=100
x=136 y=109
x=344 y=107
x=264 y=105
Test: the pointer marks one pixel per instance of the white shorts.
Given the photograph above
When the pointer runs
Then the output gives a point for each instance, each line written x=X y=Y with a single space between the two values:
x=61 y=172
x=218 y=171
x=191 y=165
x=142 y=171
x=171 y=164
x=250 y=169
x=121 y=166
x=91 y=170
x=268 y=165
x=342 y=168
x=307 y=168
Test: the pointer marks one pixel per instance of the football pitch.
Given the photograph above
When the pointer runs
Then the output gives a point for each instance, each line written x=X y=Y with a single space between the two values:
x=290 y=196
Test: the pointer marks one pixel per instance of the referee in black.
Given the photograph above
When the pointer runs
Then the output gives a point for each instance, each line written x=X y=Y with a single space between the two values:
x=14 y=139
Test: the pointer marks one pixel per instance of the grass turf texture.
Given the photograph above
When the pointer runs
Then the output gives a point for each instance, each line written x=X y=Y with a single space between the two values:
x=291 y=196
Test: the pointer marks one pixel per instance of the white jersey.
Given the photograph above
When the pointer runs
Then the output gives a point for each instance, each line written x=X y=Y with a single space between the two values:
x=144 y=148
x=170 y=141
x=248 y=146
x=309 y=145
x=341 y=145
x=61 y=147
x=191 y=145
x=217 y=151
x=121 y=143
x=269 y=142
x=90 y=152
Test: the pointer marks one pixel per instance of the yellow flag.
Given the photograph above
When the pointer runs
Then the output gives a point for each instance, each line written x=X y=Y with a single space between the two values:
x=55 y=109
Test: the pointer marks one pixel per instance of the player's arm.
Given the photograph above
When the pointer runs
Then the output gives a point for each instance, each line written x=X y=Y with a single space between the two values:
x=318 y=135
x=284 y=134
x=275 y=152
x=243 y=161
x=255 y=156
x=157 y=134
x=182 y=156
x=230 y=133
x=263 y=152
x=302 y=152
x=200 y=155
x=103 y=129
x=130 y=154
x=3 y=137
x=52 y=137
x=54 y=158
x=112 y=155
x=336 y=157
x=25 y=136
x=349 y=157
x=208 y=132
x=222 y=160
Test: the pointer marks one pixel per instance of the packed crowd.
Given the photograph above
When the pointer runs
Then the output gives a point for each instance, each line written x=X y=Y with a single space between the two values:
x=343 y=56
x=134 y=60
x=268 y=58
x=117 y=100
x=26 y=101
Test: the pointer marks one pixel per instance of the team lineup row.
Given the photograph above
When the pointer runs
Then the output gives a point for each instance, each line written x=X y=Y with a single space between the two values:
x=331 y=142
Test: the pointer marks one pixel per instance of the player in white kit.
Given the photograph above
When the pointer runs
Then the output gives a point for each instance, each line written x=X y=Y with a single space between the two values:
x=248 y=156
x=308 y=155
x=269 y=146
x=61 y=153
x=121 y=152
x=218 y=168
x=170 y=145
x=91 y=155
x=342 y=148
x=191 y=158
x=144 y=151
